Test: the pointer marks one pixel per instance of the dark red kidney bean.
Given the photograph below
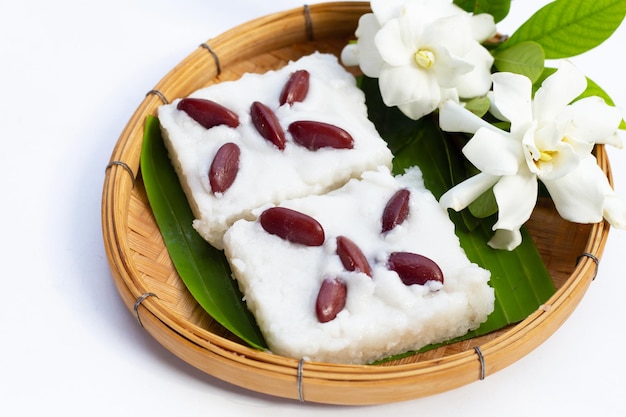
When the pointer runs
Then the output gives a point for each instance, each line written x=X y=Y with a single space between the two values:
x=414 y=269
x=267 y=124
x=296 y=88
x=316 y=135
x=208 y=113
x=352 y=257
x=331 y=299
x=224 y=167
x=293 y=226
x=397 y=210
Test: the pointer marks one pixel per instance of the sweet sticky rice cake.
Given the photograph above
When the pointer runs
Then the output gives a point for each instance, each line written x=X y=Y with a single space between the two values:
x=367 y=271
x=248 y=155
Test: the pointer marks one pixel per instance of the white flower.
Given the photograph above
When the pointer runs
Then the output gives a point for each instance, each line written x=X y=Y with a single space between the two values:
x=423 y=52
x=549 y=140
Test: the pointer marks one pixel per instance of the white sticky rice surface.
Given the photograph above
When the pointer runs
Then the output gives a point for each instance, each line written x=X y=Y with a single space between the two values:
x=383 y=317
x=267 y=175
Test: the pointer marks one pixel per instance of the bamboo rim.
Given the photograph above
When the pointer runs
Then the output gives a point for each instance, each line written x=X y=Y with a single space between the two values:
x=277 y=38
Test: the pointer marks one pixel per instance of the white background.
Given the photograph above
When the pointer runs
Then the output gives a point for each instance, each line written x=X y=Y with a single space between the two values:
x=71 y=74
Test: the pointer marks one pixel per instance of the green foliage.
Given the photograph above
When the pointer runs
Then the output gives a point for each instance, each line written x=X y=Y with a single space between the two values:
x=566 y=28
x=479 y=105
x=525 y=58
x=499 y=9
x=484 y=206
x=202 y=268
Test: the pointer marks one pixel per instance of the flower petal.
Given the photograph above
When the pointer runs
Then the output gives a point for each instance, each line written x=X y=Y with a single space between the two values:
x=454 y=33
x=462 y=195
x=546 y=137
x=449 y=94
x=512 y=97
x=614 y=211
x=370 y=60
x=592 y=120
x=549 y=155
x=390 y=43
x=425 y=11
x=483 y=26
x=385 y=10
x=493 y=108
x=400 y=85
x=505 y=239
x=557 y=91
x=564 y=161
x=476 y=82
x=417 y=109
x=350 y=55
x=579 y=196
x=448 y=68
x=494 y=152
x=516 y=196
x=453 y=117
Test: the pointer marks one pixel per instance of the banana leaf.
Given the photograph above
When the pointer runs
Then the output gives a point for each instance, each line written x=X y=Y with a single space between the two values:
x=202 y=268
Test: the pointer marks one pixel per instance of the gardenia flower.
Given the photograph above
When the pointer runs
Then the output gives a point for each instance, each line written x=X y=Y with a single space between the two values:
x=549 y=140
x=423 y=52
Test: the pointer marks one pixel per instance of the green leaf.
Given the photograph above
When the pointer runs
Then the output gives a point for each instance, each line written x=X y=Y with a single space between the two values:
x=499 y=9
x=479 y=105
x=519 y=277
x=565 y=28
x=203 y=269
x=484 y=206
x=525 y=58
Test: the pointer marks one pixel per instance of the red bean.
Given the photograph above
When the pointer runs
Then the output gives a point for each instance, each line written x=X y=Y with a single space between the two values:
x=267 y=124
x=208 y=113
x=414 y=269
x=396 y=211
x=316 y=135
x=331 y=299
x=296 y=88
x=224 y=168
x=293 y=226
x=352 y=257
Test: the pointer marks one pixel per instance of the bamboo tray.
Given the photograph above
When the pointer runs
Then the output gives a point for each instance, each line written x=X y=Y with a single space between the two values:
x=151 y=289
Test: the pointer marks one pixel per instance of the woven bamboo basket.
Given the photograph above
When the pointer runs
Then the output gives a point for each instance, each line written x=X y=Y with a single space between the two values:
x=150 y=287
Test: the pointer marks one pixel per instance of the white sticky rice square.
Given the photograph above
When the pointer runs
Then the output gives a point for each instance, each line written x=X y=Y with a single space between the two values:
x=382 y=316
x=267 y=175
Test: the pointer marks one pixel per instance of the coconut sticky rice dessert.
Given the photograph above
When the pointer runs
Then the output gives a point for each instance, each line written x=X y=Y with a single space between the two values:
x=338 y=260
x=367 y=271
x=269 y=137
